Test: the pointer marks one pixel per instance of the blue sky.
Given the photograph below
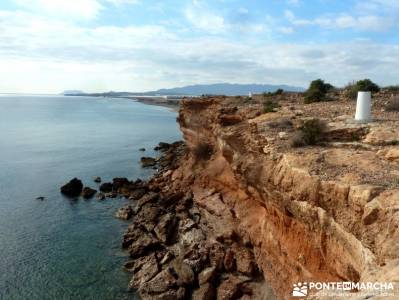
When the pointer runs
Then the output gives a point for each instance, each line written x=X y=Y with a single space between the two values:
x=136 y=45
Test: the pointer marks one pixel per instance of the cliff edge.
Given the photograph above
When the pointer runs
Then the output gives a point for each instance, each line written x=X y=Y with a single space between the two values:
x=328 y=212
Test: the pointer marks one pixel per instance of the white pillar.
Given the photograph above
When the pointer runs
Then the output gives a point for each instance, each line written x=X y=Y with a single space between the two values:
x=363 y=107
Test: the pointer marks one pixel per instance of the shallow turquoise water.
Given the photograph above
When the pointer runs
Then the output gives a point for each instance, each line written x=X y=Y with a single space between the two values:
x=58 y=248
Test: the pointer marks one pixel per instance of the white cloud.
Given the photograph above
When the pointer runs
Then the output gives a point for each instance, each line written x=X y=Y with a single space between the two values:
x=39 y=54
x=371 y=23
x=85 y=9
x=201 y=17
x=123 y=2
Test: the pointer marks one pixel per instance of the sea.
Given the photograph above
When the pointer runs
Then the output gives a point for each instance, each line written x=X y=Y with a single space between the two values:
x=58 y=248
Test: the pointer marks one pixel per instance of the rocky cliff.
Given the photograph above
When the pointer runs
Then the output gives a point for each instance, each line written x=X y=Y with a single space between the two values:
x=328 y=212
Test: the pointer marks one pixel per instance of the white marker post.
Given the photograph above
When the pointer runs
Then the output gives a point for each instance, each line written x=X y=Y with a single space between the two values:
x=363 y=107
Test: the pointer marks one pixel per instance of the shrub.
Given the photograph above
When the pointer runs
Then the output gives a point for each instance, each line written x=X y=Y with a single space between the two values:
x=310 y=133
x=271 y=94
x=365 y=85
x=392 y=88
x=203 y=151
x=392 y=105
x=317 y=91
x=281 y=124
x=269 y=106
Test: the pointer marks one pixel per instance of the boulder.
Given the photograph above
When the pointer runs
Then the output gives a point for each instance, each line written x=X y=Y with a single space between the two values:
x=185 y=275
x=106 y=187
x=216 y=255
x=230 y=289
x=142 y=149
x=100 y=196
x=143 y=269
x=205 y=292
x=148 y=162
x=229 y=260
x=142 y=244
x=73 y=188
x=162 y=146
x=245 y=262
x=88 y=192
x=97 y=179
x=137 y=193
x=162 y=282
x=207 y=275
x=119 y=182
x=166 y=228
x=124 y=213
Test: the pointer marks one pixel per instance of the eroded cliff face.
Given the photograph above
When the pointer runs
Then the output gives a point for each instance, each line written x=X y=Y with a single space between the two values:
x=322 y=213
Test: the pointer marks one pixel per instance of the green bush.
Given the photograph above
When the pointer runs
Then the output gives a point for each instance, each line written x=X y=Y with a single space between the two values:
x=365 y=85
x=317 y=91
x=310 y=133
x=269 y=106
x=271 y=94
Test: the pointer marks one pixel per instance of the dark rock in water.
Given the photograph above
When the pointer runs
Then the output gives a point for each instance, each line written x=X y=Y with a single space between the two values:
x=88 y=192
x=162 y=146
x=124 y=213
x=111 y=194
x=142 y=149
x=73 y=188
x=97 y=179
x=106 y=187
x=119 y=182
x=100 y=196
x=205 y=292
x=148 y=162
x=41 y=198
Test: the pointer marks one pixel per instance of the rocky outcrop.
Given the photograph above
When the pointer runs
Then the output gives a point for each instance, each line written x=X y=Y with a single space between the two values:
x=73 y=188
x=88 y=192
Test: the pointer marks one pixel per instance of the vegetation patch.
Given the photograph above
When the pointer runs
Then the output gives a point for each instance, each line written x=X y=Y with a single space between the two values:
x=365 y=85
x=311 y=132
x=317 y=91
x=271 y=94
x=270 y=106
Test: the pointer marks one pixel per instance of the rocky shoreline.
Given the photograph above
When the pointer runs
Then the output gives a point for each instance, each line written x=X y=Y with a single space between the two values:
x=175 y=251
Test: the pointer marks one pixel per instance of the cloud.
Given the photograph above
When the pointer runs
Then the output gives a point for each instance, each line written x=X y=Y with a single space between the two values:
x=370 y=23
x=41 y=54
x=82 y=9
x=123 y=2
x=199 y=15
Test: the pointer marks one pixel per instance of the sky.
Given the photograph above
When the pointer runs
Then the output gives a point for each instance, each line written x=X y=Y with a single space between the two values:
x=48 y=46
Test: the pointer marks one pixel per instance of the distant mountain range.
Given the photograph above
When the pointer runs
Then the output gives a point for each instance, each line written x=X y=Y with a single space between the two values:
x=227 y=89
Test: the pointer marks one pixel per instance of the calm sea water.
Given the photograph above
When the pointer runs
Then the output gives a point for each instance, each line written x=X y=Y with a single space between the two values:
x=58 y=248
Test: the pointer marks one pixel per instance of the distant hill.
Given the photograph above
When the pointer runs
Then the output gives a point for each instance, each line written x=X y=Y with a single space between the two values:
x=227 y=89
x=72 y=92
